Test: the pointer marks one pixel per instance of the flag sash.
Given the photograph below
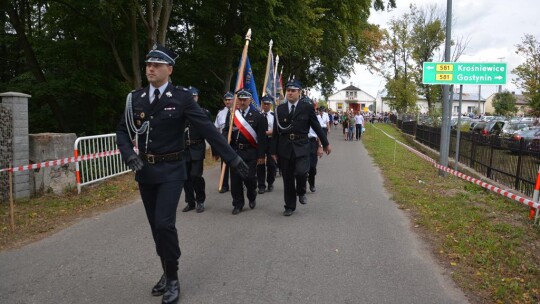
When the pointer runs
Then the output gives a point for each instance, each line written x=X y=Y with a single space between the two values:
x=245 y=128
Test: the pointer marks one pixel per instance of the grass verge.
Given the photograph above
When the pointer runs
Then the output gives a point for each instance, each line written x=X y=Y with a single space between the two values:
x=486 y=241
x=40 y=217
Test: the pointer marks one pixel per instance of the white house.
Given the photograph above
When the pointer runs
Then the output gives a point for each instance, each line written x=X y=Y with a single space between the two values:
x=351 y=97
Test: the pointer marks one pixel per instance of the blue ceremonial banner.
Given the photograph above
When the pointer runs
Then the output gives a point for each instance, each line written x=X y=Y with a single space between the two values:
x=249 y=83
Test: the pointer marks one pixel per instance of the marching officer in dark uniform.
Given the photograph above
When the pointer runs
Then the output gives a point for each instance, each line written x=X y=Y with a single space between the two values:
x=154 y=122
x=291 y=145
x=266 y=173
x=248 y=139
x=194 y=153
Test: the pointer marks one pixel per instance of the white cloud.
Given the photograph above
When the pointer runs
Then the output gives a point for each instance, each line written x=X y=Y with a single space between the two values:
x=493 y=27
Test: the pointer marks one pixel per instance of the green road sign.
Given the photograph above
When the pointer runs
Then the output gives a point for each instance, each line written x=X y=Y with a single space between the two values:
x=464 y=73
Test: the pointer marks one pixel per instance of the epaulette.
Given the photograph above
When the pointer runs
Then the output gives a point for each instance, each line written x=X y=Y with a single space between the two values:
x=182 y=88
x=137 y=90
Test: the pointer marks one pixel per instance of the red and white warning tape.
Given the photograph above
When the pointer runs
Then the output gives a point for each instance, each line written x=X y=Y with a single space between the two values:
x=531 y=203
x=64 y=161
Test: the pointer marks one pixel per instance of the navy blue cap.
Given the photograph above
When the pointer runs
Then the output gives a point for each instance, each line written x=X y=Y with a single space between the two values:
x=244 y=94
x=193 y=91
x=161 y=54
x=267 y=99
x=293 y=84
x=228 y=95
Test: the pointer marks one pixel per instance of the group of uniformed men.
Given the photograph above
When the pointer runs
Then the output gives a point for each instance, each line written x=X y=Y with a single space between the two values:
x=162 y=138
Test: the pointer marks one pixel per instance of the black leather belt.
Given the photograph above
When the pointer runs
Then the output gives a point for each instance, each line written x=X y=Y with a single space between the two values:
x=244 y=146
x=152 y=159
x=194 y=142
x=293 y=136
x=313 y=139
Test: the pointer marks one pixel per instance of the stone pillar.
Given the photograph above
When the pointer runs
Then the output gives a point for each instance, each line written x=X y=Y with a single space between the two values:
x=18 y=104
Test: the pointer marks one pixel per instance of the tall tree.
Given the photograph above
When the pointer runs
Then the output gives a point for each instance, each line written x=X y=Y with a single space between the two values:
x=504 y=104
x=528 y=73
x=20 y=16
x=427 y=37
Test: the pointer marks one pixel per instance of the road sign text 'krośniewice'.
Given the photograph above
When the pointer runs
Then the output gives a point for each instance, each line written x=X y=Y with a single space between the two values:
x=464 y=73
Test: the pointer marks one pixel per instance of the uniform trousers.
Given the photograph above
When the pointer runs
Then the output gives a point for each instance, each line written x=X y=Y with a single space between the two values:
x=358 y=131
x=237 y=184
x=160 y=203
x=294 y=173
x=194 y=186
x=313 y=159
x=267 y=170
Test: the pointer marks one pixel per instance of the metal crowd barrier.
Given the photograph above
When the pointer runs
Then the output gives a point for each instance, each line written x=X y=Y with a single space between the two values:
x=93 y=170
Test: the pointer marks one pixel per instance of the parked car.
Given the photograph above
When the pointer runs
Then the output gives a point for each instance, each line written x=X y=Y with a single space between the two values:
x=473 y=123
x=464 y=121
x=493 y=127
x=511 y=128
x=478 y=127
x=513 y=143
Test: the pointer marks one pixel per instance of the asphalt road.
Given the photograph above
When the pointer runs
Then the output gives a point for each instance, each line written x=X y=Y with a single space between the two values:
x=349 y=244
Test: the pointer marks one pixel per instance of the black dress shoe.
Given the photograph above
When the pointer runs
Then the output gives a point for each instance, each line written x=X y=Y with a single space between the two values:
x=172 y=294
x=312 y=188
x=160 y=286
x=252 y=204
x=302 y=199
x=188 y=208
x=288 y=212
x=200 y=207
x=270 y=188
x=224 y=189
x=236 y=210
x=261 y=191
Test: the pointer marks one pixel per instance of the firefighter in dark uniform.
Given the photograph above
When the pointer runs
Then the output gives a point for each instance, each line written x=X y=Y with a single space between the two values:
x=154 y=122
x=248 y=139
x=194 y=154
x=290 y=143
x=266 y=173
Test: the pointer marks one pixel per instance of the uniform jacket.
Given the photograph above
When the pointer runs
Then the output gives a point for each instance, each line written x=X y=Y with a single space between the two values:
x=302 y=119
x=259 y=123
x=168 y=117
x=195 y=151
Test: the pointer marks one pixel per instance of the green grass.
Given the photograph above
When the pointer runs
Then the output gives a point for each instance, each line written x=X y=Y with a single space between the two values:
x=486 y=241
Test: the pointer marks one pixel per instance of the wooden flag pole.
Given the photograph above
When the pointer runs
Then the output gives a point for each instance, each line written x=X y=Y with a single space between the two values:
x=276 y=100
x=239 y=81
x=267 y=68
x=11 y=211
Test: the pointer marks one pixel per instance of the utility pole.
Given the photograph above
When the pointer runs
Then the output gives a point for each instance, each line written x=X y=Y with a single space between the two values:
x=479 y=98
x=445 y=127
x=500 y=86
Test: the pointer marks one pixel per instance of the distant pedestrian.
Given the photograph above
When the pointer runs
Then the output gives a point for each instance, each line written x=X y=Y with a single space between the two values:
x=350 y=118
x=359 y=123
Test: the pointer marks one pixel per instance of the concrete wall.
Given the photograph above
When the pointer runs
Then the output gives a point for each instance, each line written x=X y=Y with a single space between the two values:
x=18 y=103
x=46 y=147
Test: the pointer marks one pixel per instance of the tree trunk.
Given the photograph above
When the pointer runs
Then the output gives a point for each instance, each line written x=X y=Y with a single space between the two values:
x=33 y=65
